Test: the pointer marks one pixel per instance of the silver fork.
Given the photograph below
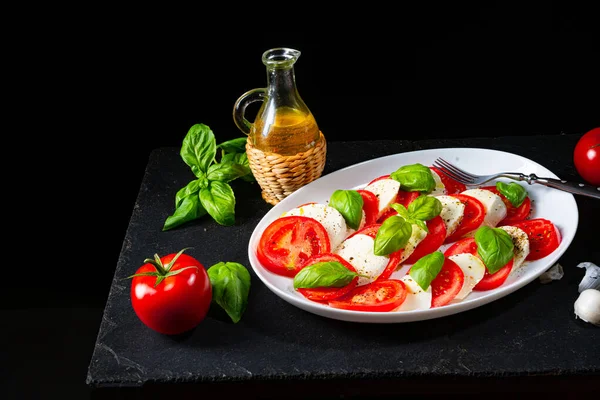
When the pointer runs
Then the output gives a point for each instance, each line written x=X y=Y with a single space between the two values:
x=470 y=179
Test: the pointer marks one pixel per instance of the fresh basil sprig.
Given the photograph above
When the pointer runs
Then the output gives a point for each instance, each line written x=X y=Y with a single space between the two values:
x=210 y=192
x=349 y=203
x=514 y=192
x=427 y=268
x=324 y=274
x=494 y=246
x=230 y=287
x=392 y=235
x=414 y=178
x=237 y=145
x=421 y=209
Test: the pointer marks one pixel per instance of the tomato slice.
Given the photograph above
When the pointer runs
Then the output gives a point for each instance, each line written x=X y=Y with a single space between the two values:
x=434 y=239
x=492 y=281
x=324 y=294
x=450 y=185
x=447 y=284
x=288 y=242
x=472 y=217
x=395 y=257
x=544 y=237
x=513 y=214
x=489 y=281
x=466 y=245
x=378 y=296
x=370 y=206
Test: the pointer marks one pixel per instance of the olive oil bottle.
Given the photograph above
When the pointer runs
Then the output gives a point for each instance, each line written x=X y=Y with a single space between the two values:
x=283 y=131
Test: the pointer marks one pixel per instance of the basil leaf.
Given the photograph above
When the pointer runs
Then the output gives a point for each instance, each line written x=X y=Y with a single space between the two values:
x=218 y=199
x=424 y=208
x=237 y=145
x=414 y=178
x=514 y=192
x=226 y=172
x=189 y=208
x=427 y=268
x=420 y=224
x=323 y=274
x=241 y=159
x=401 y=210
x=494 y=246
x=349 y=203
x=414 y=217
x=393 y=234
x=230 y=283
x=199 y=148
x=190 y=188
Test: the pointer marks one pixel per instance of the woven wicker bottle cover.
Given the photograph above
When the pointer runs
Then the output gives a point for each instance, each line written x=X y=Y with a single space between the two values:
x=285 y=147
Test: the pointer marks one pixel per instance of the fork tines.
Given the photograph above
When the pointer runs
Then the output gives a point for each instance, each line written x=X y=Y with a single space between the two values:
x=454 y=172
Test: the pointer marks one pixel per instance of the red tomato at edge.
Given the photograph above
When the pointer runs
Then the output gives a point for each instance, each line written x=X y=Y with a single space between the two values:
x=586 y=156
x=178 y=303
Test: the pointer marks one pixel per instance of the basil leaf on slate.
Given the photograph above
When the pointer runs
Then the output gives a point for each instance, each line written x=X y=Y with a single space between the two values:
x=226 y=172
x=393 y=234
x=494 y=246
x=190 y=188
x=237 y=145
x=514 y=192
x=199 y=148
x=230 y=283
x=218 y=199
x=414 y=178
x=323 y=274
x=189 y=208
x=427 y=268
x=350 y=204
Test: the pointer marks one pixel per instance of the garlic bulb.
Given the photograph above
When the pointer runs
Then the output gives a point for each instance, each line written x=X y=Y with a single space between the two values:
x=587 y=306
x=591 y=280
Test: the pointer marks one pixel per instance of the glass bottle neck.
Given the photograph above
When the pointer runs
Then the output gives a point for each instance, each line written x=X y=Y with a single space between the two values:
x=281 y=81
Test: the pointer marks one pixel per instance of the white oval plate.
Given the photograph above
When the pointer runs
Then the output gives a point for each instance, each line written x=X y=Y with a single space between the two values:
x=558 y=206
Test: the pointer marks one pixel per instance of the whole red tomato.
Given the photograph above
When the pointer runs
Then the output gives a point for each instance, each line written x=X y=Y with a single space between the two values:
x=171 y=294
x=587 y=156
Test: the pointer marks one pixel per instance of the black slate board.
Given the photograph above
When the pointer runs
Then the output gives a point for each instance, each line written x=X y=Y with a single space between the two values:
x=531 y=332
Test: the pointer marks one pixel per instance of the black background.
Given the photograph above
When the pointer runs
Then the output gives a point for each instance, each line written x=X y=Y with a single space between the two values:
x=111 y=85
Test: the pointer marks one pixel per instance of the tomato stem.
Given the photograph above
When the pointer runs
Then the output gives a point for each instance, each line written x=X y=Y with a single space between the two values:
x=162 y=271
x=158 y=264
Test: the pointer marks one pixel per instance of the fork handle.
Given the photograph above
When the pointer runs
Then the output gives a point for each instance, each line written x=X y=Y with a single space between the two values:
x=571 y=187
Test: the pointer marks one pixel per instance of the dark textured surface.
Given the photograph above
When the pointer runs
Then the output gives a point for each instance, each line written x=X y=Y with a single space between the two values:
x=531 y=332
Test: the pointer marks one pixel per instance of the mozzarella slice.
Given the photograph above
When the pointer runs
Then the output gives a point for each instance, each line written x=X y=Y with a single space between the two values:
x=331 y=219
x=452 y=213
x=495 y=209
x=416 y=237
x=440 y=188
x=358 y=251
x=386 y=191
x=416 y=297
x=473 y=269
x=521 y=242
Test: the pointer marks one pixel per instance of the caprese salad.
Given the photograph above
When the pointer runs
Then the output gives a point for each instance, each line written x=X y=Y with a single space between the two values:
x=350 y=252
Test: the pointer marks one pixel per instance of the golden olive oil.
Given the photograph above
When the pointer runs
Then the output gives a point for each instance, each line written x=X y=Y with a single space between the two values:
x=289 y=132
